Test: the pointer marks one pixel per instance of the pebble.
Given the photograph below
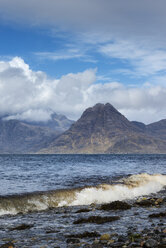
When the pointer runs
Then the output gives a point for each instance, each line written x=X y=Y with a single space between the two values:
x=73 y=241
x=150 y=243
x=7 y=245
x=105 y=236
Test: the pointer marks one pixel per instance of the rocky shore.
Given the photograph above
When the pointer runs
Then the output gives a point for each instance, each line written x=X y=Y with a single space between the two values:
x=137 y=223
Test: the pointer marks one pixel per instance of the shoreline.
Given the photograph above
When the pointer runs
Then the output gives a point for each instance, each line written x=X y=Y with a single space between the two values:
x=135 y=223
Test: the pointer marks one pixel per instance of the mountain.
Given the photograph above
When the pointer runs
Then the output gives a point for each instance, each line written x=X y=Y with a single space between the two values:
x=103 y=129
x=140 y=125
x=157 y=129
x=29 y=137
x=59 y=123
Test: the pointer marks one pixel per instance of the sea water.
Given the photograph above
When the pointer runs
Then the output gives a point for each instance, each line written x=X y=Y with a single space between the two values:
x=29 y=173
x=31 y=184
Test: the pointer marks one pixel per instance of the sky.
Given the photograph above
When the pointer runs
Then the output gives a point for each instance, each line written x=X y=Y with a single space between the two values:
x=64 y=56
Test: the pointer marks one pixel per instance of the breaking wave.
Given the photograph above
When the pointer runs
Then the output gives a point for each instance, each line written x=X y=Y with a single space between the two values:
x=126 y=188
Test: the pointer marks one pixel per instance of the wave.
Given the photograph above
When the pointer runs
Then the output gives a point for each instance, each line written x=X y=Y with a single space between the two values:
x=126 y=188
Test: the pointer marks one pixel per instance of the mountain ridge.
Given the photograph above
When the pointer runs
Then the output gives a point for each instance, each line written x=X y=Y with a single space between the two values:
x=18 y=136
x=103 y=129
x=100 y=129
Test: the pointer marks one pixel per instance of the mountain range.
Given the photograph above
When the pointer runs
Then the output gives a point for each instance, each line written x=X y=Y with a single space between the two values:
x=101 y=129
x=28 y=137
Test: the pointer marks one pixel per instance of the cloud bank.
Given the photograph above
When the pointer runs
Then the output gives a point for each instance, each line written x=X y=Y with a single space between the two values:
x=137 y=17
x=32 y=95
x=131 y=31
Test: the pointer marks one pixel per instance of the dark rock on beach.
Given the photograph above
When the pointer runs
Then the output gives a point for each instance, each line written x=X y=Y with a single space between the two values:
x=96 y=246
x=51 y=231
x=150 y=202
x=85 y=235
x=97 y=219
x=158 y=215
x=142 y=225
x=83 y=210
x=116 y=205
x=21 y=227
x=7 y=245
x=73 y=241
x=150 y=243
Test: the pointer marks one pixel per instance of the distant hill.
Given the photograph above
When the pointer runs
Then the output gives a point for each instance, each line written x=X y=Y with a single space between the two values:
x=157 y=129
x=29 y=137
x=59 y=123
x=103 y=129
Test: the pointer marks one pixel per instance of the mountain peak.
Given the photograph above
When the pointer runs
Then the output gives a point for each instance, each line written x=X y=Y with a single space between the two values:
x=94 y=131
x=103 y=106
x=103 y=129
x=100 y=108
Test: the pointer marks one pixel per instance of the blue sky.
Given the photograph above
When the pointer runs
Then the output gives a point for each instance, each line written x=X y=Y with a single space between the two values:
x=60 y=53
x=71 y=54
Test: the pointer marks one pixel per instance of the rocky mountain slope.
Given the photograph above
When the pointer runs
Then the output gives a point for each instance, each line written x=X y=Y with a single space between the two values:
x=58 y=123
x=29 y=137
x=157 y=129
x=103 y=129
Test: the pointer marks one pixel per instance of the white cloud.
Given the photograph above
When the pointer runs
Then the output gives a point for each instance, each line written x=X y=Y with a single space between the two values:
x=98 y=20
x=31 y=115
x=145 y=59
x=24 y=92
x=30 y=95
x=132 y=31
x=61 y=55
x=66 y=54
x=146 y=104
x=139 y=19
x=110 y=14
x=136 y=27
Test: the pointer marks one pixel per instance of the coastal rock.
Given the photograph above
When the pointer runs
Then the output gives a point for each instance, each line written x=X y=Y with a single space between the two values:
x=134 y=236
x=85 y=235
x=83 y=210
x=105 y=236
x=21 y=227
x=133 y=244
x=97 y=219
x=116 y=205
x=8 y=245
x=73 y=241
x=122 y=238
x=96 y=246
x=117 y=245
x=151 y=202
x=158 y=215
x=51 y=231
x=150 y=243
x=161 y=246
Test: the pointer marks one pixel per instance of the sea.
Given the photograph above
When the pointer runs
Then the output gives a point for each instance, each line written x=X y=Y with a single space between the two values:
x=46 y=192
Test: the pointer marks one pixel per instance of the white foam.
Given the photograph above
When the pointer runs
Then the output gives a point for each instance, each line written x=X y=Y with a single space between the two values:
x=129 y=188
x=36 y=204
x=134 y=186
x=11 y=211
